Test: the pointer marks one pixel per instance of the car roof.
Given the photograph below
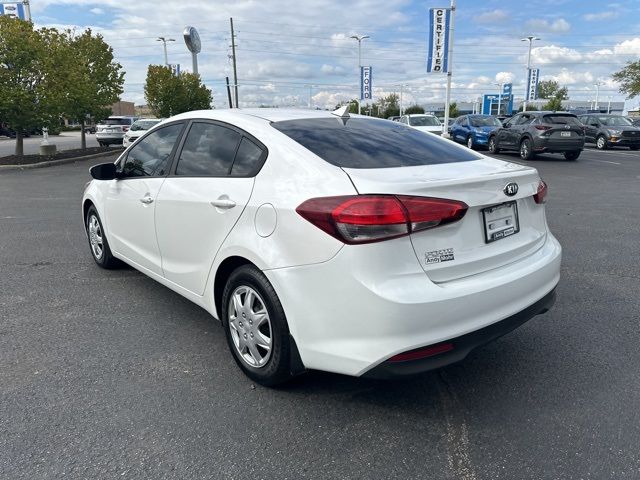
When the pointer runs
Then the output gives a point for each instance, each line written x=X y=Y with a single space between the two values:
x=266 y=114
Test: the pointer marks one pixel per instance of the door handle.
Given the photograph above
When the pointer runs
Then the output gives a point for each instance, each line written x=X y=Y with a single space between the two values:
x=147 y=199
x=223 y=203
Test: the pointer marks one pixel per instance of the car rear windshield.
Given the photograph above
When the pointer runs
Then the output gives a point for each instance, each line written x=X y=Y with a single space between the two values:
x=117 y=121
x=369 y=143
x=485 y=122
x=426 y=121
x=561 y=119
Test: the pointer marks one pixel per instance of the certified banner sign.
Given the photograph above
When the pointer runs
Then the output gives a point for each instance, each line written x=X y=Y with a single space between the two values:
x=532 y=83
x=438 y=57
x=365 y=83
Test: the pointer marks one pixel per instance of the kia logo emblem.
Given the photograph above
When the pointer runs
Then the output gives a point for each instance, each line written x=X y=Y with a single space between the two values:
x=510 y=189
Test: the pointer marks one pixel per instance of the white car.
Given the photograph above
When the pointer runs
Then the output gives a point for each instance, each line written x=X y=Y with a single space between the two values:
x=326 y=241
x=137 y=130
x=111 y=130
x=423 y=122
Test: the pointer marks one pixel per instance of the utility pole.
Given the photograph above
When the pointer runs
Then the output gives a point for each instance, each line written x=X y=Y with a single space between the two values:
x=445 y=126
x=597 y=85
x=164 y=44
x=401 y=97
x=529 y=39
x=27 y=11
x=235 y=71
x=609 y=106
x=310 y=95
x=359 y=38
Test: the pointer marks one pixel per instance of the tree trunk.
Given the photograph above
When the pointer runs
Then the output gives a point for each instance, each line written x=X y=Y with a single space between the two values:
x=83 y=139
x=19 y=143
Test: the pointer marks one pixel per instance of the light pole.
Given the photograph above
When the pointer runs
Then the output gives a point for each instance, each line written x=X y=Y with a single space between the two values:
x=164 y=44
x=310 y=95
x=597 y=85
x=501 y=86
x=609 y=106
x=529 y=39
x=359 y=38
x=401 y=91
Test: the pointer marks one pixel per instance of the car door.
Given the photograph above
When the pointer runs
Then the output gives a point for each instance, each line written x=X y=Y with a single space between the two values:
x=592 y=128
x=130 y=199
x=463 y=128
x=506 y=133
x=203 y=198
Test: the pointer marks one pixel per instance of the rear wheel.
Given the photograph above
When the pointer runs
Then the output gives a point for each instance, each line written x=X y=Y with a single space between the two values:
x=573 y=155
x=493 y=145
x=256 y=327
x=526 y=149
x=601 y=142
x=634 y=148
x=98 y=243
x=470 y=142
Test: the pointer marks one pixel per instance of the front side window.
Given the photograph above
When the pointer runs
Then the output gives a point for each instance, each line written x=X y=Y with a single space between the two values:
x=208 y=151
x=615 y=121
x=150 y=156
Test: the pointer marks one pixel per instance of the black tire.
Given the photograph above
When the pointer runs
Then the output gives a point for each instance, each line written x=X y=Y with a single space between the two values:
x=572 y=155
x=526 y=149
x=101 y=144
x=602 y=143
x=470 y=142
x=277 y=368
x=105 y=259
x=634 y=148
x=493 y=145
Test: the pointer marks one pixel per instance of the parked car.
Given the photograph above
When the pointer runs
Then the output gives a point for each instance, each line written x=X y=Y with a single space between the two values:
x=530 y=133
x=393 y=118
x=111 y=131
x=474 y=130
x=389 y=252
x=610 y=130
x=137 y=129
x=89 y=129
x=635 y=121
x=11 y=133
x=423 y=122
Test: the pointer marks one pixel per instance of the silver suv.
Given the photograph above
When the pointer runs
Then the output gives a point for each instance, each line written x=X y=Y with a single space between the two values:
x=607 y=130
x=112 y=130
x=530 y=133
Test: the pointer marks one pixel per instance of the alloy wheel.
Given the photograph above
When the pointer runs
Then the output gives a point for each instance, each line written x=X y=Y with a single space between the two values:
x=95 y=237
x=250 y=326
x=470 y=141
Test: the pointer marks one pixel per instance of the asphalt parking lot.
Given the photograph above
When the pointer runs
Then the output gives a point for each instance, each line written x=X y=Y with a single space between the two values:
x=107 y=374
x=64 y=141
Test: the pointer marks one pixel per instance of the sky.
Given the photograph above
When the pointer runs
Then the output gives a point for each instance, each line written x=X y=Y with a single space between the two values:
x=298 y=53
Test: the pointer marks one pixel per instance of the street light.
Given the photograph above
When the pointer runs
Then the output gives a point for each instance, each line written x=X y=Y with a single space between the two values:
x=501 y=86
x=529 y=39
x=402 y=85
x=164 y=43
x=597 y=85
x=359 y=38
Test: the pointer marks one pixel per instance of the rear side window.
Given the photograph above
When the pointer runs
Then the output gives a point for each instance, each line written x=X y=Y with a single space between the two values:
x=369 y=143
x=249 y=159
x=561 y=119
x=208 y=151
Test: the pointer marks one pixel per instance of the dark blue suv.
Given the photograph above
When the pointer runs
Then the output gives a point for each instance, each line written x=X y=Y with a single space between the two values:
x=474 y=130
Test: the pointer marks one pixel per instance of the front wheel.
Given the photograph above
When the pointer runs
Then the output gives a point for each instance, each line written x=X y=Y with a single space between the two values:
x=256 y=327
x=526 y=150
x=98 y=243
x=601 y=142
x=573 y=155
x=470 y=142
x=493 y=146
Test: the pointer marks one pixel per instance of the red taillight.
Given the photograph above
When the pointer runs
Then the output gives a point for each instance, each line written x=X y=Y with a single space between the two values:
x=422 y=353
x=541 y=195
x=542 y=127
x=356 y=219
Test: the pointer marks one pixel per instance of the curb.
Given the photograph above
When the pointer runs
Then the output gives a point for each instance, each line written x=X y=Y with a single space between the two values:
x=28 y=166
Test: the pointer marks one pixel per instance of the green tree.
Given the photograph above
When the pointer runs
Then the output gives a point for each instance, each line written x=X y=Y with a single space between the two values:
x=94 y=79
x=549 y=89
x=554 y=104
x=413 y=109
x=168 y=94
x=389 y=106
x=453 y=110
x=629 y=79
x=30 y=64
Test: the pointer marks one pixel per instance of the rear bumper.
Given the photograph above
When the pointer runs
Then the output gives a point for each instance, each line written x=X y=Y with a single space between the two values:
x=110 y=137
x=463 y=345
x=551 y=145
x=370 y=302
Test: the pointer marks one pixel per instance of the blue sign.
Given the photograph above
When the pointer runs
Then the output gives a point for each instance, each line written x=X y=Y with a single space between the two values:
x=438 y=53
x=490 y=104
x=366 y=92
x=507 y=88
x=13 y=10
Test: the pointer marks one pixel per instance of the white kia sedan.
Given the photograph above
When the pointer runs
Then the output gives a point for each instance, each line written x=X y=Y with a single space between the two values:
x=423 y=122
x=326 y=241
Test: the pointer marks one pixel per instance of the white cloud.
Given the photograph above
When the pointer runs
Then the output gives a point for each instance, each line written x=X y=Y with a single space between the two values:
x=493 y=16
x=97 y=11
x=332 y=70
x=541 y=25
x=554 y=54
x=592 y=17
x=504 y=77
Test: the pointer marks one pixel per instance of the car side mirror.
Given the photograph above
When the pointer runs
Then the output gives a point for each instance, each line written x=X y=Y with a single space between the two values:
x=104 y=171
x=506 y=125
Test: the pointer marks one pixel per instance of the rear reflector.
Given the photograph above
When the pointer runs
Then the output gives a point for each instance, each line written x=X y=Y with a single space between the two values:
x=356 y=219
x=422 y=353
x=541 y=195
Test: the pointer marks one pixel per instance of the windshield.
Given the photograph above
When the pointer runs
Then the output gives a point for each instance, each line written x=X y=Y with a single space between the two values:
x=116 y=121
x=615 y=120
x=426 y=121
x=368 y=143
x=144 y=124
x=485 y=122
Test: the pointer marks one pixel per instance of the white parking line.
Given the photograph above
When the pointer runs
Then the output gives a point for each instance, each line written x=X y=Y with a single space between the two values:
x=601 y=161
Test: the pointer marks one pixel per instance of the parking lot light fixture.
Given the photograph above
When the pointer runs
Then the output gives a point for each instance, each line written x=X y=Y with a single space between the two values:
x=359 y=38
x=529 y=39
x=164 y=41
